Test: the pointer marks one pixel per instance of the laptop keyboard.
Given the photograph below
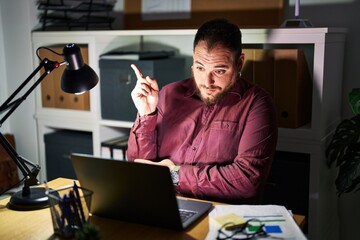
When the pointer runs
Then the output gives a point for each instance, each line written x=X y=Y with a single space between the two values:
x=186 y=214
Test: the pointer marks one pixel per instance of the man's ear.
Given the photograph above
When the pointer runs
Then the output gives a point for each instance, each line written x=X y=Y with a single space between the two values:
x=241 y=61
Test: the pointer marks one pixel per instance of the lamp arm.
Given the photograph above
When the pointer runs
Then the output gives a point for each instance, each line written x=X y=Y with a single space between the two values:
x=15 y=156
x=10 y=105
x=8 y=102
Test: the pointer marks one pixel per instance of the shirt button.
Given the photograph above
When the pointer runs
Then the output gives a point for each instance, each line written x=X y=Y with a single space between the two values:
x=193 y=148
x=225 y=125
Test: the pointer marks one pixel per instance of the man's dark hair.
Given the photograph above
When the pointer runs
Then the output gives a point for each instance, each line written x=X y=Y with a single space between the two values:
x=220 y=32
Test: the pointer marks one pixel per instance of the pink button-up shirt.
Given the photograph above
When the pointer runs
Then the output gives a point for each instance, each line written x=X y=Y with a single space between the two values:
x=225 y=150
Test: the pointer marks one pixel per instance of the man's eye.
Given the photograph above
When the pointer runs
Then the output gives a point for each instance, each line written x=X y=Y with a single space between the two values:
x=220 y=72
x=200 y=68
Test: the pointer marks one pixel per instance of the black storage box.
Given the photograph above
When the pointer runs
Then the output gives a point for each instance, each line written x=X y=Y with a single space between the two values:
x=117 y=80
x=58 y=147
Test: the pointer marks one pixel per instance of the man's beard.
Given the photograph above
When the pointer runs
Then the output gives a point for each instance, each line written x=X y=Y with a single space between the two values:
x=213 y=99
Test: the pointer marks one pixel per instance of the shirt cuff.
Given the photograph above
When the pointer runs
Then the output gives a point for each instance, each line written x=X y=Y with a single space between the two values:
x=146 y=123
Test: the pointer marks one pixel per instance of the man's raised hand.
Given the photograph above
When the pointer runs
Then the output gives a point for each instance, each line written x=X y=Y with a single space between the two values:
x=145 y=95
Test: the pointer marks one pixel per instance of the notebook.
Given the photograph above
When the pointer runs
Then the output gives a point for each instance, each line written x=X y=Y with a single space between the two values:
x=135 y=192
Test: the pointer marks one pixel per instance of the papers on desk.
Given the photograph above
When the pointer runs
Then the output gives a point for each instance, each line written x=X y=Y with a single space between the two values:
x=278 y=221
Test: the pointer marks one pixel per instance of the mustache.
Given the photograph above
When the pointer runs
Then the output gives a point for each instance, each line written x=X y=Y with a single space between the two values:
x=209 y=87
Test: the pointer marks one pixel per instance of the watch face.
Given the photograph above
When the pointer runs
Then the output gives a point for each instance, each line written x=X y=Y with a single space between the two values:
x=175 y=177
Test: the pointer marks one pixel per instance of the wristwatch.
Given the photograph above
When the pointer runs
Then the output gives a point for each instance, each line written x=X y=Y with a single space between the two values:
x=175 y=175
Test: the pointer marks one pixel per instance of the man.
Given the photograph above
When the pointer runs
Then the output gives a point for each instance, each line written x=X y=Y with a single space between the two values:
x=215 y=132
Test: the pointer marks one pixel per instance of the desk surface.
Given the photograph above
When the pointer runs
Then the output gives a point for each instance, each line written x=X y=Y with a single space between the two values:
x=37 y=224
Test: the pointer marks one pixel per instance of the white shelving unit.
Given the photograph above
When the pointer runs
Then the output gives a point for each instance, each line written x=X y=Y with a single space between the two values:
x=327 y=45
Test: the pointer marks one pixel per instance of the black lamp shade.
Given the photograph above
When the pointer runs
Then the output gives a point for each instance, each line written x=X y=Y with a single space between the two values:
x=77 y=77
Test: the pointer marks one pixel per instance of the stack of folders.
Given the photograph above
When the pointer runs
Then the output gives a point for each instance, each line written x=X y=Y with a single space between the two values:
x=115 y=148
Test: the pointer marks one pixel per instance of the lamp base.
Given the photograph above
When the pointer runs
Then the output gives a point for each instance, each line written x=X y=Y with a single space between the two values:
x=296 y=23
x=37 y=199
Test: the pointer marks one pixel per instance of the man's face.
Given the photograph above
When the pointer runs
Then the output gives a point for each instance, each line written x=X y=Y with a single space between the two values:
x=214 y=71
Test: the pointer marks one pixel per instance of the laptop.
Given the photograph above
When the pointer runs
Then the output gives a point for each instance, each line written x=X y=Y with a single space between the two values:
x=135 y=192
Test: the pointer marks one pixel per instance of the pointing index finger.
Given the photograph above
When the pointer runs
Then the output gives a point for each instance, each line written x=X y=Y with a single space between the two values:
x=137 y=71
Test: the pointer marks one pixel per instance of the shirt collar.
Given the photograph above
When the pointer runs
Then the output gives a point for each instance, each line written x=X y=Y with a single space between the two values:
x=239 y=88
x=191 y=87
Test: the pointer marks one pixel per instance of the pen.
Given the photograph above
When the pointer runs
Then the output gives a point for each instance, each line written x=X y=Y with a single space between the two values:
x=73 y=203
x=78 y=200
x=53 y=209
x=263 y=216
x=273 y=220
x=62 y=209
x=67 y=211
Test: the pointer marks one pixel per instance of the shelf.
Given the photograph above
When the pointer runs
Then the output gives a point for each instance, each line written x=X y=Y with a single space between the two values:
x=325 y=58
x=77 y=7
x=70 y=14
x=113 y=123
x=323 y=117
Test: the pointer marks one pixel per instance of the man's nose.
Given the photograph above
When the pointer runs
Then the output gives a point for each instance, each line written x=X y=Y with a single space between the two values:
x=209 y=80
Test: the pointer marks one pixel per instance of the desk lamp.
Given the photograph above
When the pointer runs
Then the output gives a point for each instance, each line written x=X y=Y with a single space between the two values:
x=76 y=78
x=296 y=22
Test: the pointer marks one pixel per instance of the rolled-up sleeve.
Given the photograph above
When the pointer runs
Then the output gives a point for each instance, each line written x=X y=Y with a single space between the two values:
x=142 y=141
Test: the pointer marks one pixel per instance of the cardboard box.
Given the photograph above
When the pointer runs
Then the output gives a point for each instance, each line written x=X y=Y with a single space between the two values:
x=245 y=13
x=259 y=68
x=285 y=75
x=292 y=88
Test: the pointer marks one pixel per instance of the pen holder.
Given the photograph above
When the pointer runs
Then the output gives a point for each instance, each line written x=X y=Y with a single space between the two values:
x=69 y=209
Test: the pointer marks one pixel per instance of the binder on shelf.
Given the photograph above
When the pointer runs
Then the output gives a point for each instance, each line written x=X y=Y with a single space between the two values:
x=105 y=151
x=115 y=148
x=119 y=150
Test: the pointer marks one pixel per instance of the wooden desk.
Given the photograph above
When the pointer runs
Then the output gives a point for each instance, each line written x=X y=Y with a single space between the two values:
x=37 y=224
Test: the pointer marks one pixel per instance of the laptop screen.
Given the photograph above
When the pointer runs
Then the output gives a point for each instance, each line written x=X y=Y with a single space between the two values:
x=133 y=192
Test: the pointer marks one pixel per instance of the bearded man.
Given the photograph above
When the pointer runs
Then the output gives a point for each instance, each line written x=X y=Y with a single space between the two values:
x=216 y=132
